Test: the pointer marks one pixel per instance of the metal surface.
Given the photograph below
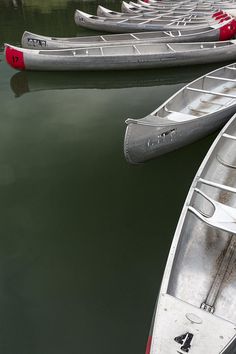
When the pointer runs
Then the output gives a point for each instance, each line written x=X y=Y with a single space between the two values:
x=120 y=57
x=104 y=12
x=182 y=7
x=200 y=5
x=217 y=32
x=201 y=267
x=118 y=25
x=134 y=7
x=196 y=110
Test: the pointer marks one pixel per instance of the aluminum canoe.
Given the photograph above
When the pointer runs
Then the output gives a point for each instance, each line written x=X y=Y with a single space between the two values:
x=132 y=6
x=121 y=57
x=117 y=25
x=195 y=310
x=191 y=5
x=136 y=8
x=104 y=12
x=195 y=111
x=218 y=32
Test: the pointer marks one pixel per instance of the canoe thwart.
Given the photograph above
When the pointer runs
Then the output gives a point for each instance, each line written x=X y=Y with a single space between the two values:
x=217 y=185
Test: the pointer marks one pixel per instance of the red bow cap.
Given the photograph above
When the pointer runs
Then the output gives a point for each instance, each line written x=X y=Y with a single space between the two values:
x=227 y=31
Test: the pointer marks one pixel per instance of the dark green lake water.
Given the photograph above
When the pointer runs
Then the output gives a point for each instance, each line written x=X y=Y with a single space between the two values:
x=84 y=235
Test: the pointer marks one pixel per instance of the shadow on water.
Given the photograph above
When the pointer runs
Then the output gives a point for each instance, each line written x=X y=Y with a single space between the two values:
x=25 y=82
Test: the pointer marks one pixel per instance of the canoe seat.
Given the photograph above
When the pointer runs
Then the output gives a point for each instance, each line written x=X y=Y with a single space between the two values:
x=223 y=218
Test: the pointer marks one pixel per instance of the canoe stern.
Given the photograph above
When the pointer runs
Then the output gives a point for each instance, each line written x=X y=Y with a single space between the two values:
x=14 y=57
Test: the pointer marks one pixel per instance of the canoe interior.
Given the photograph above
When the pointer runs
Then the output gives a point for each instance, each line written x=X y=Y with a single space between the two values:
x=202 y=250
x=188 y=104
x=125 y=36
x=139 y=49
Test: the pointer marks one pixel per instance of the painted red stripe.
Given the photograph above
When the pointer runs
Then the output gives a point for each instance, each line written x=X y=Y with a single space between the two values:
x=148 y=347
x=15 y=58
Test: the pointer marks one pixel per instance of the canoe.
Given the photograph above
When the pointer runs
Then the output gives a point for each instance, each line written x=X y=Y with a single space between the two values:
x=219 y=4
x=121 y=57
x=195 y=111
x=195 y=311
x=117 y=25
x=104 y=12
x=218 y=32
x=188 y=5
x=146 y=8
x=136 y=8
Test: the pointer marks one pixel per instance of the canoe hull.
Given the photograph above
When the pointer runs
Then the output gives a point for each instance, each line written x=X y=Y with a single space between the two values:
x=34 y=41
x=201 y=265
x=126 y=26
x=144 y=142
x=76 y=60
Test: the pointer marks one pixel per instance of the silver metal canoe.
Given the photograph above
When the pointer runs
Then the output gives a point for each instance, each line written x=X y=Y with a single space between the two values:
x=116 y=25
x=218 y=32
x=195 y=311
x=104 y=12
x=219 y=4
x=121 y=57
x=196 y=110
x=136 y=8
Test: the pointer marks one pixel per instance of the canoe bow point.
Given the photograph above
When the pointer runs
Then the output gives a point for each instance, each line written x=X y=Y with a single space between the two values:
x=14 y=58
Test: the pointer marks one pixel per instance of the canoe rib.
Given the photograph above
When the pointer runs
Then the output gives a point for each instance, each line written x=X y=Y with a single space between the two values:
x=229 y=136
x=217 y=185
x=211 y=92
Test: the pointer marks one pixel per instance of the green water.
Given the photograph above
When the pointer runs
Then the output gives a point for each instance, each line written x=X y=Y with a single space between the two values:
x=84 y=235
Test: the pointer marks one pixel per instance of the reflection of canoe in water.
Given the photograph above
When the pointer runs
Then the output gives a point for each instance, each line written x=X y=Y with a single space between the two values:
x=196 y=110
x=195 y=311
x=121 y=57
x=117 y=25
x=23 y=82
x=219 y=31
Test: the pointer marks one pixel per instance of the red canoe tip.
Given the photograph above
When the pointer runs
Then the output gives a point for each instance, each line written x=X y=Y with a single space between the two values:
x=228 y=31
x=14 y=57
x=148 y=347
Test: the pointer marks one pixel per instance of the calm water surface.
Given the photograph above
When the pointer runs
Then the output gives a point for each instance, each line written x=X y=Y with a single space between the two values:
x=84 y=235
